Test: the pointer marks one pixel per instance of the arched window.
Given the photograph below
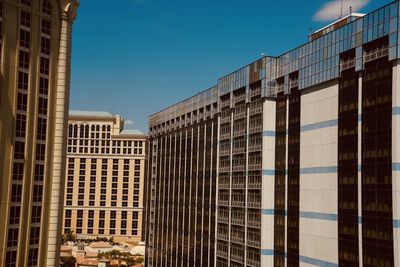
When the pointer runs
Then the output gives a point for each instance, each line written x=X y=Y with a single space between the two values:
x=46 y=7
x=70 y=130
x=93 y=128
x=87 y=131
x=82 y=131
x=98 y=128
x=75 y=130
x=108 y=128
x=104 y=128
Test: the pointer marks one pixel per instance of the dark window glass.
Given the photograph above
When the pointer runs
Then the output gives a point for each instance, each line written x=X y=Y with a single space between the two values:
x=25 y=19
x=23 y=80
x=20 y=125
x=23 y=59
x=22 y=102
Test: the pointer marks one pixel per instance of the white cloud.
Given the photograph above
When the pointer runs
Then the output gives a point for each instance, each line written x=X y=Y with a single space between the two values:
x=128 y=122
x=331 y=10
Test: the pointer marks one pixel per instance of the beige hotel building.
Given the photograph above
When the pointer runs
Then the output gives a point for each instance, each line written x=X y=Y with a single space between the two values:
x=104 y=177
x=35 y=55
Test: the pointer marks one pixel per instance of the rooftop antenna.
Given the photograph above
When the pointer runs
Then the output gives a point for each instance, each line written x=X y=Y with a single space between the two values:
x=351 y=10
x=341 y=9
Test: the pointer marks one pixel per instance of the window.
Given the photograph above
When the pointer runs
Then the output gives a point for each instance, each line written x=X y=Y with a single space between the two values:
x=44 y=89
x=11 y=258
x=16 y=191
x=34 y=235
x=36 y=214
x=46 y=7
x=23 y=60
x=45 y=45
x=14 y=215
x=46 y=26
x=22 y=102
x=23 y=79
x=24 y=38
x=20 y=125
x=12 y=240
x=42 y=106
x=41 y=130
x=33 y=257
x=37 y=193
x=25 y=18
x=40 y=151
x=18 y=171
x=44 y=65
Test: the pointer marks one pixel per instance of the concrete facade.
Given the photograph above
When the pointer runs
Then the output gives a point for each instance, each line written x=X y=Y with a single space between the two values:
x=307 y=156
x=35 y=48
x=104 y=177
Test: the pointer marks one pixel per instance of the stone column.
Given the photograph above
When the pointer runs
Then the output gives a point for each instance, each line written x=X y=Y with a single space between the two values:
x=56 y=205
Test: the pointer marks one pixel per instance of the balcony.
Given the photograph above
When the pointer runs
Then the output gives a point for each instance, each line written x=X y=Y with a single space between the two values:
x=223 y=237
x=238 y=185
x=255 y=166
x=237 y=258
x=240 y=132
x=239 y=150
x=376 y=53
x=253 y=263
x=293 y=84
x=223 y=136
x=226 y=103
x=223 y=185
x=254 y=243
x=254 y=204
x=239 y=168
x=254 y=224
x=224 y=169
x=255 y=147
x=223 y=202
x=237 y=221
x=225 y=119
x=240 y=115
x=225 y=151
x=239 y=98
x=254 y=185
x=237 y=239
x=255 y=128
x=347 y=64
x=222 y=253
x=238 y=203
x=223 y=219
x=255 y=92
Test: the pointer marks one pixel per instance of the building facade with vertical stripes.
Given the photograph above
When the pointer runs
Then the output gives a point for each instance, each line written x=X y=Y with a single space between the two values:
x=289 y=161
x=35 y=55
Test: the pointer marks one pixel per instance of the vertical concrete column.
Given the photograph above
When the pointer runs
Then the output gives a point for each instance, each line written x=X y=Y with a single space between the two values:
x=396 y=162
x=360 y=80
x=68 y=13
x=268 y=183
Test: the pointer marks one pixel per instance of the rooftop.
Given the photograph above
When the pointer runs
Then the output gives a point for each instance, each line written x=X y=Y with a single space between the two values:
x=90 y=113
x=131 y=132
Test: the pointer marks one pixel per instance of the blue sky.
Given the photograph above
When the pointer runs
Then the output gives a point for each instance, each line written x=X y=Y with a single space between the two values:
x=136 y=57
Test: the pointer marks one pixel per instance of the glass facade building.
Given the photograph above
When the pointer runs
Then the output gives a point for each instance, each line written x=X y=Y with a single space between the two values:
x=290 y=161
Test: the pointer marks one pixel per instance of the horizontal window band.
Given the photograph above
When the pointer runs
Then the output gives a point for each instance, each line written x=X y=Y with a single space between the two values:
x=304 y=259
x=319 y=216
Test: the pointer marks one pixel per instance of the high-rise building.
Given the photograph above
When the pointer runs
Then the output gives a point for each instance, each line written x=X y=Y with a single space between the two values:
x=289 y=161
x=104 y=177
x=35 y=55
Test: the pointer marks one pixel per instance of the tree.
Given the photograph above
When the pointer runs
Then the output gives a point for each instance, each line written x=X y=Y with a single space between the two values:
x=67 y=261
x=118 y=256
x=69 y=236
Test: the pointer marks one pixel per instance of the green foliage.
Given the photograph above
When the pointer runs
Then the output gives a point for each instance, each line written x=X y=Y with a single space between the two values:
x=120 y=257
x=69 y=236
x=68 y=261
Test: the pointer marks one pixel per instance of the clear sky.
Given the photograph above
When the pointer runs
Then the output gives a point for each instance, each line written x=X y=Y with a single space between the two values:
x=136 y=57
